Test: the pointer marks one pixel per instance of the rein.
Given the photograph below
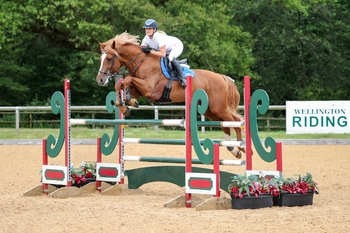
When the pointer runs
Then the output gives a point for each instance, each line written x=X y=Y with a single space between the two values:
x=137 y=65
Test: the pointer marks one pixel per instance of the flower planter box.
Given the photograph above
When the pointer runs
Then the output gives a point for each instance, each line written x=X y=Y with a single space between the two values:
x=88 y=180
x=251 y=202
x=294 y=199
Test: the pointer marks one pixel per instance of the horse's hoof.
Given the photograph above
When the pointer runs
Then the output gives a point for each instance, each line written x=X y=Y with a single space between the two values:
x=241 y=149
x=127 y=112
x=237 y=154
x=136 y=104
x=119 y=104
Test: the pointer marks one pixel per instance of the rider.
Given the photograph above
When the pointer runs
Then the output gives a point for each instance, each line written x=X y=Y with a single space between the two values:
x=163 y=45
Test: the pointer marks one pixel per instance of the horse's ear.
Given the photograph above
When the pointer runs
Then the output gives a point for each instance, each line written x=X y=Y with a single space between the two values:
x=102 y=45
x=113 y=45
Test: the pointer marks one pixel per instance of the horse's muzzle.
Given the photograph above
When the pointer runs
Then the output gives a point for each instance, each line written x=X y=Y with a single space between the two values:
x=102 y=81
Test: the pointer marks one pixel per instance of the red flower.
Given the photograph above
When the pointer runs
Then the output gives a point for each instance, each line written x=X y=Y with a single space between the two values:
x=76 y=180
x=88 y=175
x=274 y=190
x=304 y=187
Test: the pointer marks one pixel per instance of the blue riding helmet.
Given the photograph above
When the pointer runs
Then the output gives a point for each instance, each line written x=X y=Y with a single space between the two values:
x=150 y=23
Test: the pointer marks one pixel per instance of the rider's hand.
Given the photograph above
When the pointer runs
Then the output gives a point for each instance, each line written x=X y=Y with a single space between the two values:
x=146 y=50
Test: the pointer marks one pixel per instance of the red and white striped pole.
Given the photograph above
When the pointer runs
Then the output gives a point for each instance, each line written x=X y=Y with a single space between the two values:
x=188 y=100
x=248 y=138
x=67 y=129
x=45 y=162
x=279 y=156
x=217 y=168
x=99 y=160
x=121 y=139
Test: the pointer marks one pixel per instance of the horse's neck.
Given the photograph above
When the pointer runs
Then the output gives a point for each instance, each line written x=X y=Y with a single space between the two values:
x=140 y=62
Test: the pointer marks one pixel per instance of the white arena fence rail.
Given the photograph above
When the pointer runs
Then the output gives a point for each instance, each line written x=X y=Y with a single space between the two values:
x=37 y=110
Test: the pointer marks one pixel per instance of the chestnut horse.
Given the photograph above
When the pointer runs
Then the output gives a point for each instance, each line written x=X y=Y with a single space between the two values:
x=145 y=78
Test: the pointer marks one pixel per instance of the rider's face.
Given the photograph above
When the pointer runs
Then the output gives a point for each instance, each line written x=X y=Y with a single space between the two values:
x=150 y=31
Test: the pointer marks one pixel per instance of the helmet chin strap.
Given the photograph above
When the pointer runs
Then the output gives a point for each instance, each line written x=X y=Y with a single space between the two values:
x=153 y=33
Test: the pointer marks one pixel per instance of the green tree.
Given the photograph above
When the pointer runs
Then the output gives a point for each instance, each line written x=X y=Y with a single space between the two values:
x=300 y=51
x=47 y=41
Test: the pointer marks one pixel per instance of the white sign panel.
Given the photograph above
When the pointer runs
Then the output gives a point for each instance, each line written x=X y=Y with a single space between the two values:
x=200 y=183
x=108 y=172
x=313 y=117
x=52 y=174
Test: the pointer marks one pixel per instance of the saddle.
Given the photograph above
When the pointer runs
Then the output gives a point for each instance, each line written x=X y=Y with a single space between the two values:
x=167 y=71
x=171 y=76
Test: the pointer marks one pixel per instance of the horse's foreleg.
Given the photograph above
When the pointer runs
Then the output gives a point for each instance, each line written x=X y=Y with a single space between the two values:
x=117 y=88
x=118 y=101
x=148 y=89
x=127 y=96
x=131 y=101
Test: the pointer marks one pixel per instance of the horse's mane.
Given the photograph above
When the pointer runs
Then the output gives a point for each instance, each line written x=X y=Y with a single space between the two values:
x=126 y=38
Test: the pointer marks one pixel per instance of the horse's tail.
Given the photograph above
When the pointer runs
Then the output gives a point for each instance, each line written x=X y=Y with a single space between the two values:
x=233 y=97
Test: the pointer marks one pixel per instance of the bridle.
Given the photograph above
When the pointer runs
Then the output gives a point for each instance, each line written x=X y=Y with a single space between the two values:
x=109 y=74
x=115 y=56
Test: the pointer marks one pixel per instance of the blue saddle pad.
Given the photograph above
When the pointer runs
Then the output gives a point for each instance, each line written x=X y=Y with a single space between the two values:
x=186 y=71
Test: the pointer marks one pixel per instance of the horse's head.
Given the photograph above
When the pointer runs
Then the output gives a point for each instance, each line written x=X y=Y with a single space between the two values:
x=114 y=56
x=110 y=63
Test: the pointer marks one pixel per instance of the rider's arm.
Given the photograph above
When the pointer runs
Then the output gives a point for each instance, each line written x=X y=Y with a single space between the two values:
x=160 y=53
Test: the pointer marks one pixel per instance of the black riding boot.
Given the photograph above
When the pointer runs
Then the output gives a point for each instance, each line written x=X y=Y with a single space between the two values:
x=178 y=70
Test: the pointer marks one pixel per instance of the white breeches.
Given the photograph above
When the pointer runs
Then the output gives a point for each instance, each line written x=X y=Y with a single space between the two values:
x=176 y=51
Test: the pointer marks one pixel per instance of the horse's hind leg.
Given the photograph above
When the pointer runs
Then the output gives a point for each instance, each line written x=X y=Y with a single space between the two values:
x=227 y=132
x=234 y=152
x=228 y=115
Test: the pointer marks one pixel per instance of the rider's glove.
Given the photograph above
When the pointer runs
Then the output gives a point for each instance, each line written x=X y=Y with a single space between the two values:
x=146 y=50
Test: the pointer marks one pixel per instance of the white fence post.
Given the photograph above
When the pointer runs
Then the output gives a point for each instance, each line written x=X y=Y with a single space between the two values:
x=17 y=120
x=156 y=116
x=203 y=119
